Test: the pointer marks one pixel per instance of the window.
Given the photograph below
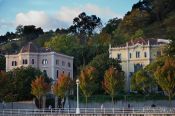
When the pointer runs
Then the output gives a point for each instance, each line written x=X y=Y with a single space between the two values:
x=68 y=74
x=69 y=65
x=137 y=54
x=33 y=62
x=63 y=63
x=145 y=54
x=24 y=61
x=57 y=73
x=130 y=55
x=44 y=61
x=14 y=63
x=57 y=62
x=119 y=56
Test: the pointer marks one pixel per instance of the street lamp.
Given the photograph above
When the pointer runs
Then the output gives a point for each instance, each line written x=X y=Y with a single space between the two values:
x=77 y=109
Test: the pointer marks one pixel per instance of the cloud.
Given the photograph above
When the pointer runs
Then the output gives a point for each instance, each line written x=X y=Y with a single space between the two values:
x=103 y=12
x=63 y=18
x=66 y=14
x=39 y=19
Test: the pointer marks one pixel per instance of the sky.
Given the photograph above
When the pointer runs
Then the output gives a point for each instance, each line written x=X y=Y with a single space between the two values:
x=53 y=14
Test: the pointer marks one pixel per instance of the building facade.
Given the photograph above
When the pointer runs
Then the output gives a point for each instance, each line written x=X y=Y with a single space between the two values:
x=136 y=54
x=48 y=61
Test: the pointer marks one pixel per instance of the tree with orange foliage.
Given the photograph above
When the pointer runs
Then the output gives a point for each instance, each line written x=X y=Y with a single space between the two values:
x=113 y=82
x=39 y=88
x=87 y=80
x=62 y=86
x=165 y=77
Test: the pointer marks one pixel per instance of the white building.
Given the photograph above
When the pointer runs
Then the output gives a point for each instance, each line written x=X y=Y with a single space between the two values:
x=136 y=54
x=48 y=61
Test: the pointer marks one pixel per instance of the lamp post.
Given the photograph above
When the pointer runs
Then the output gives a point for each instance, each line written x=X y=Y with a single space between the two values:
x=77 y=109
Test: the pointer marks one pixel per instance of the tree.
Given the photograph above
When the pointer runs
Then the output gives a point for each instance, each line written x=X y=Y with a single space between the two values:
x=152 y=67
x=62 y=31
x=88 y=81
x=142 y=82
x=113 y=82
x=165 y=77
x=62 y=43
x=103 y=39
x=10 y=35
x=28 y=32
x=111 y=25
x=138 y=34
x=133 y=21
x=21 y=81
x=39 y=88
x=62 y=87
x=2 y=63
x=102 y=62
x=170 y=49
x=84 y=26
x=5 y=89
x=19 y=30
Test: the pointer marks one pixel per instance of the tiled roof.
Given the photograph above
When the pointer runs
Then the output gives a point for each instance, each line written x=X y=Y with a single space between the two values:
x=151 y=41
x=31 y=47
x=136 y=41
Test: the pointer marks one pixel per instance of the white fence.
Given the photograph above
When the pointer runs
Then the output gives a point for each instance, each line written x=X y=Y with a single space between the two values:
x=117 y=111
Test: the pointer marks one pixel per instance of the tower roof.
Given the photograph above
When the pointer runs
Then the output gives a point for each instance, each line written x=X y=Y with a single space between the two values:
x=30 y=47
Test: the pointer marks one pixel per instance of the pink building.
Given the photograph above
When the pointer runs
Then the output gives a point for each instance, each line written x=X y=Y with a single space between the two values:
x=44 y=59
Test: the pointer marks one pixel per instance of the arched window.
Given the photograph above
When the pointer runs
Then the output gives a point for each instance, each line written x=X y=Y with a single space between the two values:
x=44 y=61
x=14 y=63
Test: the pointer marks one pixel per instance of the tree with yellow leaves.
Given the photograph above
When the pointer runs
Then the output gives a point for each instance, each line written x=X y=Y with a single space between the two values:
x=62 y=86
x=165 y=77
x=113 y=82
x=87 y=80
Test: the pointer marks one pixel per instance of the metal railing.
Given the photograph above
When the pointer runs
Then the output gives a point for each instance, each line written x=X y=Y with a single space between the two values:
x=53 y=111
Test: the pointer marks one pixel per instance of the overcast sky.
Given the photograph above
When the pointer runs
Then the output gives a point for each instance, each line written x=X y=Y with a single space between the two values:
x=51 y=14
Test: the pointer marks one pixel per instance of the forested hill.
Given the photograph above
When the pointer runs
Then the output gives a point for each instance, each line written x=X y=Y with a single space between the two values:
x=147 y=19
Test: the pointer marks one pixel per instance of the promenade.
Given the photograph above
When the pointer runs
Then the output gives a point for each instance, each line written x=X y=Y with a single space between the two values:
x=159 y=111
x=94 y=109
